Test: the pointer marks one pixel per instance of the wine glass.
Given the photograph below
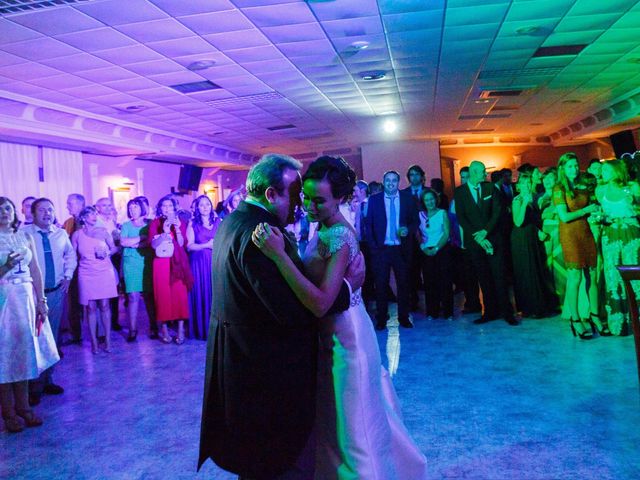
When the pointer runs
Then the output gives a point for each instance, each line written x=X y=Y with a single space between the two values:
x=21 y=249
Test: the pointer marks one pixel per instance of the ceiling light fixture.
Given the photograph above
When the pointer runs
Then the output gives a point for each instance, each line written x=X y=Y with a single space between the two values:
x=373 y=75
x=530 y=30
x=482 y=101
x=390 y=126
x=572 y=101
x=361 y=45
x=201 y=65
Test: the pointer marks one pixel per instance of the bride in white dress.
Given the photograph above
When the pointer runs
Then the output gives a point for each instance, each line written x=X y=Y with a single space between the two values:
x=360 y=433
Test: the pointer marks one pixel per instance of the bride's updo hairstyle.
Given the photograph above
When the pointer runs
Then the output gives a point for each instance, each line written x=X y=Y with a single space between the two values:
x=336 y=171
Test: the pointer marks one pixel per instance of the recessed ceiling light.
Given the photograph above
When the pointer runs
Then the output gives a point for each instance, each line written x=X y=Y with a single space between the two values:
x=360 y=45
x=388 y=112
x=536 y=124
x=527 y=30
x=572 y=101
x=201 y=65
x=634 y=60
x=390 y=126
x=482 y=101
x=373 y=75
x=133 y=108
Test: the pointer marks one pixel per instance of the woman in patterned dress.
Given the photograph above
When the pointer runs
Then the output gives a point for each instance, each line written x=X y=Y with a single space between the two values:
x=619 y=198
x=27 y=346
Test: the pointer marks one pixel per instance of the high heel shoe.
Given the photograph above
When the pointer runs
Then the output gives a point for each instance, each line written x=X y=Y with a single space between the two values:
x=584 y=334
x=603 y=330
x=12 y=424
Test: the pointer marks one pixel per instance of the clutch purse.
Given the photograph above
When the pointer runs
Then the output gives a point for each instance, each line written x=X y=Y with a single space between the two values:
x=164 y=250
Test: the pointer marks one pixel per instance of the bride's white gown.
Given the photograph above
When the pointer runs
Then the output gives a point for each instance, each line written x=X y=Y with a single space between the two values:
x=360 y=433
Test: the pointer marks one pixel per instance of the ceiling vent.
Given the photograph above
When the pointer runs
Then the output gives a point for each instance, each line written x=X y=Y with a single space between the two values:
x=486 y=116
x=281 y=127
x=520 y=72
x=559 y=51
x=473 y=130
x=313 y=135
x=194 y=87
x=514 y=91
x=12 y=7
x=260 y=97
x=504 y=108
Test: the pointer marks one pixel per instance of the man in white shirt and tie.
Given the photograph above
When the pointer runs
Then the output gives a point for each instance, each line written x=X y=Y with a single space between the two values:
x=58 y=261
x=479 y=209
x=392 y=221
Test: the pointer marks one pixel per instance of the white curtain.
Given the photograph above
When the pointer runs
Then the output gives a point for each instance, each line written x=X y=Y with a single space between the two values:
x=62 y=176
x=18 y=172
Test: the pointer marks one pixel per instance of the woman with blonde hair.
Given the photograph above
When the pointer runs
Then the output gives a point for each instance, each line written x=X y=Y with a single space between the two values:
x=619 y=198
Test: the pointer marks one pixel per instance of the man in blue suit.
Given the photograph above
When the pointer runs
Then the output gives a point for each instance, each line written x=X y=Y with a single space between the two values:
x=392 y=221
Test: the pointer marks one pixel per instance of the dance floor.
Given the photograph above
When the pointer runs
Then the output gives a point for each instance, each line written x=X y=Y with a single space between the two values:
x=482 y=402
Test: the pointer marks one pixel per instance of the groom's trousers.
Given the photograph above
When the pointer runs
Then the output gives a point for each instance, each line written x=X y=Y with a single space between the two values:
x=303 y=469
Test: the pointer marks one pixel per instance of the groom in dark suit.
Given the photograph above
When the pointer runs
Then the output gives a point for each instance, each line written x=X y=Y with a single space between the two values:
x=259 y=397
x=479 y=210
x=392 y=221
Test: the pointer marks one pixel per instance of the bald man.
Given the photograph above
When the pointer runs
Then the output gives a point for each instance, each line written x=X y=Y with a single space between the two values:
x=479 y=208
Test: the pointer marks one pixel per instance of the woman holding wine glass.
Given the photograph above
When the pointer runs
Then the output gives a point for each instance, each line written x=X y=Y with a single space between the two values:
x=27 y=346
x=97 y=278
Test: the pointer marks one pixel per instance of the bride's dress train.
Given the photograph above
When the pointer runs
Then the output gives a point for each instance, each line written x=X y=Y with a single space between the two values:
x=360 y=432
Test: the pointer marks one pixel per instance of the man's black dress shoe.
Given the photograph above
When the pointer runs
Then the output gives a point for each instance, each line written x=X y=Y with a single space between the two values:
x=53 y=389
x=34 y=399
x=116 y=327
x=512 y=321
x=381 y=325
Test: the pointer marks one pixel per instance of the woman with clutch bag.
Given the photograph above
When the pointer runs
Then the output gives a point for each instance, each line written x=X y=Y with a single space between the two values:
x=27 y=346
x=171 y=274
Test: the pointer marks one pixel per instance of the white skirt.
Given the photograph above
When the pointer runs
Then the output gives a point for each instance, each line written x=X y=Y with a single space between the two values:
x=24 y=354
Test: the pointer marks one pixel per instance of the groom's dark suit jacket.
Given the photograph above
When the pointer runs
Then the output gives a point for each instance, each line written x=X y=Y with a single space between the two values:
x=259 y=397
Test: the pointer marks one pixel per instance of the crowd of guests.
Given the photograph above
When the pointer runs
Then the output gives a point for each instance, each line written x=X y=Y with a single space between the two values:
x=553 y=236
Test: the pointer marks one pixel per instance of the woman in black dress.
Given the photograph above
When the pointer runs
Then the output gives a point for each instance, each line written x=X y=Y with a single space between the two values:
x=532 y=283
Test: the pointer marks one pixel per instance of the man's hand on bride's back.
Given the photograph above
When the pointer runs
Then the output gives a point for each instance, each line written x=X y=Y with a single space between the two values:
x=269 y=240
x=355 y=272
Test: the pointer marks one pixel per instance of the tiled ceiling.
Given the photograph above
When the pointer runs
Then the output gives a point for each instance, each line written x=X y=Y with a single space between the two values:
x=438 y=56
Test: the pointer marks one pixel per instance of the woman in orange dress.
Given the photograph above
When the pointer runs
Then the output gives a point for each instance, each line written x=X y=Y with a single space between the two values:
x=171 y=273
x=573 y=206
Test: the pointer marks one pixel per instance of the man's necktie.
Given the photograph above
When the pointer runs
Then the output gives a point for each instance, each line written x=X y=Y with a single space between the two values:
x=393 y=233
x=49 y=267
x=477 y=189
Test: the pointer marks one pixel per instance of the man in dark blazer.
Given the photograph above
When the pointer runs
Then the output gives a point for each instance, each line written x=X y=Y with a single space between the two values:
x=392 y=222
x=479 y=210
x=259 y=397
x=416 y=177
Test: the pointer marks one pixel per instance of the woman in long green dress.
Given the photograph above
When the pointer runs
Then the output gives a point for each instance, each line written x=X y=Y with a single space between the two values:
x=619 y=198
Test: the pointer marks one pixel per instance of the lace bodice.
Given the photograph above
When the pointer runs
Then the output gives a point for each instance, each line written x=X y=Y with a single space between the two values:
x=622 y=208
x=12 y=242
x=332 y=239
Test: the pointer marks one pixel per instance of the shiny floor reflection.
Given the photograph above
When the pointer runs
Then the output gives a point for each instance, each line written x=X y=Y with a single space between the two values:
x=483 y=402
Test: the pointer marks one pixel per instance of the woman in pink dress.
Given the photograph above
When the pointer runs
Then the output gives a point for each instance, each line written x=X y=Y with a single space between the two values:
x=97 y=279
x=171 y=273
